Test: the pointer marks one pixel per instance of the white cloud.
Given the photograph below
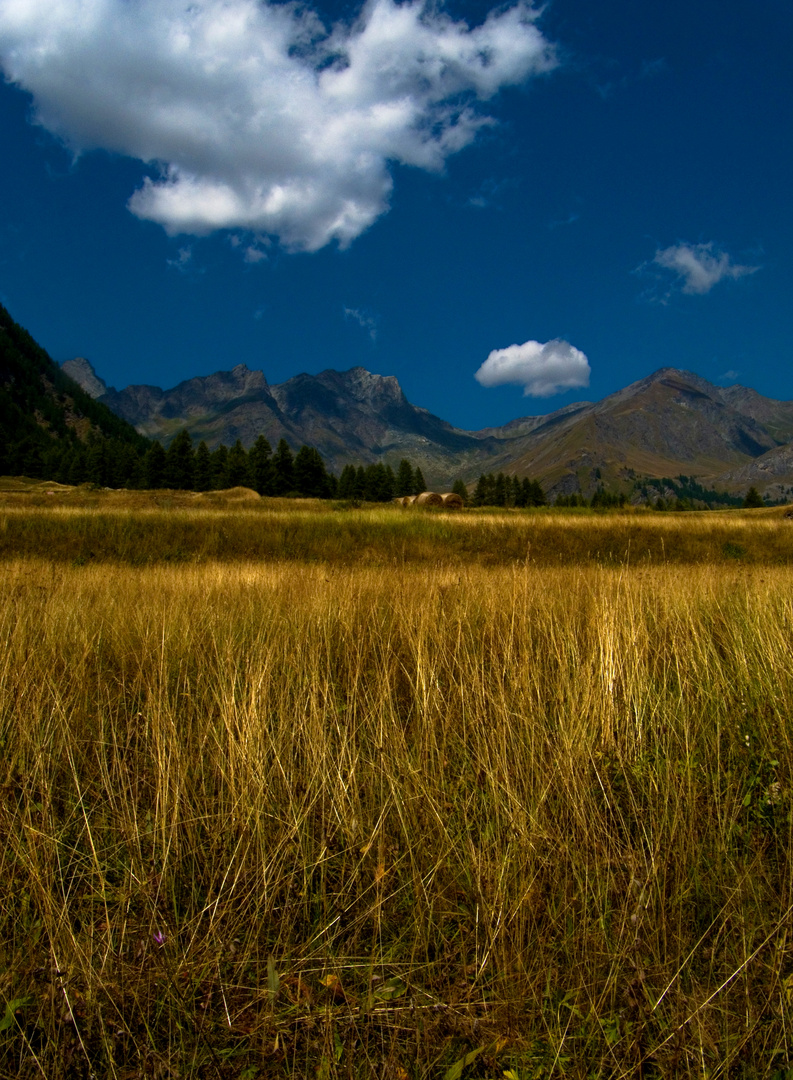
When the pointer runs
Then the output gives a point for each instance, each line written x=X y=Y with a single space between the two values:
x=183 y=259
x=541 y=369
x=255 y=115
x=365 y=320
x=698 y=267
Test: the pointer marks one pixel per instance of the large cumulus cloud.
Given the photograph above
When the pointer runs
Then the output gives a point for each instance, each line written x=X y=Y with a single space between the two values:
x=542 y=369
x=257 y=116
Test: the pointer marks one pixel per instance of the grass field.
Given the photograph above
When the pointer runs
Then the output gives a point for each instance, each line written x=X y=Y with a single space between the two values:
x=355 y=793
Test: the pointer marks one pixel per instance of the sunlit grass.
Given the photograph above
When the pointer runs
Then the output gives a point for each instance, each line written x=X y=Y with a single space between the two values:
x=175 y=530
x=278 y=817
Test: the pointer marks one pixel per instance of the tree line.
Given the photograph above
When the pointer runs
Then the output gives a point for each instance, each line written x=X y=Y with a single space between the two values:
x=114 y=463
x=501 y=490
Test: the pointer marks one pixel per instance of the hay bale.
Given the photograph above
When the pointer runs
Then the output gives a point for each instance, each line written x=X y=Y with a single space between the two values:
x=429 y=498
x=452 y=501
x=408 y=500
x=235 y=494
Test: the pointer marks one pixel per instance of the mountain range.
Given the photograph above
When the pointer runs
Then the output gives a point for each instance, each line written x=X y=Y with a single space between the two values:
x=671 y=423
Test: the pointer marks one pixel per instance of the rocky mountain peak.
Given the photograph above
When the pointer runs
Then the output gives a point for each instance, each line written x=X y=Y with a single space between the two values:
x=364 y=386
x=81 y=370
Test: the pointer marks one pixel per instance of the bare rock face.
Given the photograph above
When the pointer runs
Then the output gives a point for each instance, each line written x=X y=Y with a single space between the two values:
x=84 y=375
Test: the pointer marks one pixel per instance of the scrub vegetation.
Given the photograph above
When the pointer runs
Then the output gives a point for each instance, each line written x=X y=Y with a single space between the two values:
x=393 y=793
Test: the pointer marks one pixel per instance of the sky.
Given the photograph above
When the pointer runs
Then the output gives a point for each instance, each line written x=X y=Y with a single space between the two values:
x=510 y=208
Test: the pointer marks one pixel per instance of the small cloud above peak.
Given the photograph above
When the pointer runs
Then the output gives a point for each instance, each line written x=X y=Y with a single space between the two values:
x=541 y=369
x=697 y=268
x=365 y=319
x=728 y=377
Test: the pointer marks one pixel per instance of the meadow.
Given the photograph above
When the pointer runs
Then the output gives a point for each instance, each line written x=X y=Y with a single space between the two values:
x=289 y=790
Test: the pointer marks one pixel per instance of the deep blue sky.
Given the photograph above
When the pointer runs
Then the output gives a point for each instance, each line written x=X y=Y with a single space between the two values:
x=634 y=202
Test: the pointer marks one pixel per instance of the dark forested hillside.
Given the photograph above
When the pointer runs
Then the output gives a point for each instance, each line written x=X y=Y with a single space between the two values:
x=49 y=426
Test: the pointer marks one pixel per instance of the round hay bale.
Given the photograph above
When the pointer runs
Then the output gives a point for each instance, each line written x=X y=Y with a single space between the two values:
x=429 y=498
x=452 y=501
x=234 y=494
x=408 y=500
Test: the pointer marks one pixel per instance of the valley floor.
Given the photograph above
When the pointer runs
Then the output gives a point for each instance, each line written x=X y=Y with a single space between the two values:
x=406 y=809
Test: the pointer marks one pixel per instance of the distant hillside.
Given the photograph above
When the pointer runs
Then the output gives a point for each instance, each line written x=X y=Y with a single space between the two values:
x=672 y=422
x=669 y=423
x=47 y=421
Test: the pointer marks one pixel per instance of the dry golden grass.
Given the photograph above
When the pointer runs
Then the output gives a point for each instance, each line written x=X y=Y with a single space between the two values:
x=148 y=528
x=273 y=818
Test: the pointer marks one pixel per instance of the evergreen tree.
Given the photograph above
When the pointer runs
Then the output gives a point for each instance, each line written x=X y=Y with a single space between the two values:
x=370 y=483
x=64 y=466
x=419 y=484
x=311 y=478
x=220 y=458
x=754 y=500
x=180 y=462
x=237 y=471
x=261 y=466
x=538 y=496
x=360 y=483
x=381 y=484
x=482 y=491
x=283 y=468
x=155 y=466
x=202 y=473
x=96 y=462
x=77 y=468
x=459 y=488
x=31 y=460
x=500 y=490
x=348 y=483
x=390 y=480
x=405 y=481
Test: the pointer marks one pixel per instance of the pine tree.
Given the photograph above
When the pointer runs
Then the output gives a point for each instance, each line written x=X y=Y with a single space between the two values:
x=419 y=483
x=155 y=466
x=180 y=462
x=459 y=488
x=405 y=482
x=754 y=500
x=95 y=462
x=283 y=467
x=390 y=480
x=500 y=490
x=237 y=471
x=370 y=483
x=78 y=471
x=382 y=485
x=202 y=475
x=220 y=458
x=481 y=492
x=311 y=478
x=347 y=483
x=261 y=465
x=538 y=496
